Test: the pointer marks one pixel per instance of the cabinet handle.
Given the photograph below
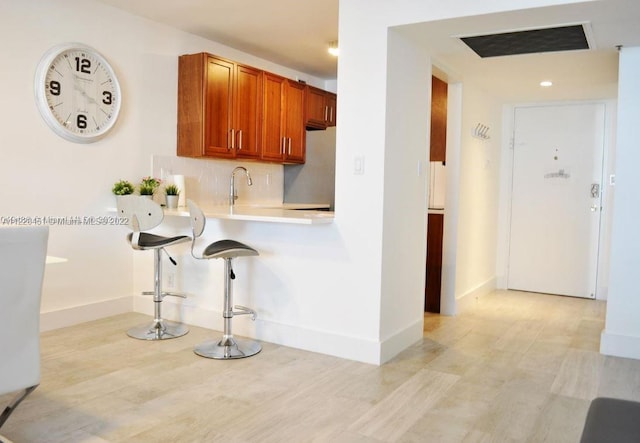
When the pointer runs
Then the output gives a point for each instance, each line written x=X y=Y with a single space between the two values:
x=289 y=146
x=233 y=140
x=240 y=140
x=326 y=111
x=282 y=142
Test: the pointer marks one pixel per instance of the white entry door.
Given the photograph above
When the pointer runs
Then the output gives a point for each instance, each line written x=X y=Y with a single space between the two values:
x=556 y=199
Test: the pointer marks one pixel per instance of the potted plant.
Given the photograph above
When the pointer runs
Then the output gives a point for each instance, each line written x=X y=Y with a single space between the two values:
x=123 y=187
x=172 y=193
x=148 y=186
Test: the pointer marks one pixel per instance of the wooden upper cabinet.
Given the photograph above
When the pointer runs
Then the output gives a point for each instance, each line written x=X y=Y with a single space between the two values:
x=272 y=112
x=321 y=108
x=218 y=108
x=438 y=149
x=229 y=110
x=248 y=99
x=294 y=131
x=219 y=105
x=283 y=132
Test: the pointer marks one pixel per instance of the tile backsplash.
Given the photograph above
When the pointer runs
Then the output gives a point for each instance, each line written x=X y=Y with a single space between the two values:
x=207 y=181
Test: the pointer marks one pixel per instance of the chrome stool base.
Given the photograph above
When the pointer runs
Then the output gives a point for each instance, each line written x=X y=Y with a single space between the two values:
x=227 y=348
x=158 y=330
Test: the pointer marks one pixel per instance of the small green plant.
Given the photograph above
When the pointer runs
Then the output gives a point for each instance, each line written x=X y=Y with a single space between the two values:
x=171 y=189
x=146 y=189
x=148 y=185
x=123 y=187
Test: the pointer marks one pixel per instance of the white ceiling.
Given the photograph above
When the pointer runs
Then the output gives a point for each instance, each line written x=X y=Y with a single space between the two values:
x=296 y=33
x=292 y=33
x=586 y=74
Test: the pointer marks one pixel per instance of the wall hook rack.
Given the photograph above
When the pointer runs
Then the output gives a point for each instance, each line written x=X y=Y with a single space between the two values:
x=481 y=131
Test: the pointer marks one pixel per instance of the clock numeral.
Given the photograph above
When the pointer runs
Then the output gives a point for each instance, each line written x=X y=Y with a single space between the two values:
x=83 y=65
x=81 y=121
x=54 y=87
x=108 y=98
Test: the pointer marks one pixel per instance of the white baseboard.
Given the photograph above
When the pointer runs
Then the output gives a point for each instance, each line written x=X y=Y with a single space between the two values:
x=401 y=340
x=470 y=299
x=626 y=346
x=324 y=342
x=84 y=313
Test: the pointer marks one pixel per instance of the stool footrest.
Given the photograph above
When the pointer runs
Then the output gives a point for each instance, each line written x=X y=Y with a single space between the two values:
x=165 y=293
x=243 y=310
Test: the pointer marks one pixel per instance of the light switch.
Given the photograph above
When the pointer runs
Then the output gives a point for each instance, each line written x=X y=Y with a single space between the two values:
x=358 y=165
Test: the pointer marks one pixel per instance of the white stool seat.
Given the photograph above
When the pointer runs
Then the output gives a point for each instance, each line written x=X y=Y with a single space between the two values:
x=228 y=248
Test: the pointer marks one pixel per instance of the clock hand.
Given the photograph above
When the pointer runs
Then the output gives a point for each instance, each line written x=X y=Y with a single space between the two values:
x=77 y=87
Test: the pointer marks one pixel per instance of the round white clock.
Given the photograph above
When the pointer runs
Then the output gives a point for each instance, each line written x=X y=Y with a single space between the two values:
x=77 y=92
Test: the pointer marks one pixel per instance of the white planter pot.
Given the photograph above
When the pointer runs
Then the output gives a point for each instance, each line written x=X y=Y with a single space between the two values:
x=172 y=201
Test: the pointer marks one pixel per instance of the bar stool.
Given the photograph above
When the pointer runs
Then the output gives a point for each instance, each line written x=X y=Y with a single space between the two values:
x=228 y=347
x=144 y=214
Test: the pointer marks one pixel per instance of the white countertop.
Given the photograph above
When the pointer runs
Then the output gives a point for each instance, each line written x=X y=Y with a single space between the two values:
x=275 y=214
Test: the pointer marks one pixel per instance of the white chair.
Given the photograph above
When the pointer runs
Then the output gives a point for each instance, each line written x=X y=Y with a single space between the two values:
x=23 y=253
x=144 y=214
x=228 y=347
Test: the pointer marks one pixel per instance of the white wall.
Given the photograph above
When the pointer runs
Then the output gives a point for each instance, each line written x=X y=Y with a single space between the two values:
x=621 y=336
x=406 y=170
x=478 y=187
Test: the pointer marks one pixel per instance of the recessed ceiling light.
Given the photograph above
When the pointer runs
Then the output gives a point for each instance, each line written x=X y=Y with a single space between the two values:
x=546 y=83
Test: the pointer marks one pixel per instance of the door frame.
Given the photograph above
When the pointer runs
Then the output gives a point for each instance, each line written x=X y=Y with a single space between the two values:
x=506 y=185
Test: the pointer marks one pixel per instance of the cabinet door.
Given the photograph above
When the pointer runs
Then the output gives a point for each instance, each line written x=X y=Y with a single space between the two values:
x=218 y=108
x=272 y=113
x=316 y=108
x=246 y=124
x=321 y=108
x=435 y=229
x=294 y=129
x=332 y=103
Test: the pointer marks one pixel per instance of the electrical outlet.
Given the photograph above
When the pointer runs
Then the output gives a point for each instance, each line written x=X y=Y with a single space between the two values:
x=171 y=280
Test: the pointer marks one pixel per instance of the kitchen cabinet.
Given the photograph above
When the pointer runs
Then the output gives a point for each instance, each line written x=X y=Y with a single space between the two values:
x=438 y=148
x=219 y=104
x=283 y=129
x=433 y=287
x=321 y=108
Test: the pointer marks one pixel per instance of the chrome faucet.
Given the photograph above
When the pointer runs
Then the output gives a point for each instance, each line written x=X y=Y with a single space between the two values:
x=232 y=189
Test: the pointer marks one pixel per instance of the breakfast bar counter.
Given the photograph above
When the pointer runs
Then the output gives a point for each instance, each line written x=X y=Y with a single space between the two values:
x=275 y=214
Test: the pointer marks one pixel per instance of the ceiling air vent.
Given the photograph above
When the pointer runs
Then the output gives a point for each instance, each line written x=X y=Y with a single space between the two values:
x=563 y=38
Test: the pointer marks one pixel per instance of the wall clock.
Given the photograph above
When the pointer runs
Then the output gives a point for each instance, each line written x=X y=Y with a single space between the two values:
x=77 y=92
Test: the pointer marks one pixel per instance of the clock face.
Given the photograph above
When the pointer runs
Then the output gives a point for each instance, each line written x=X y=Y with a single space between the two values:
x=77 y=93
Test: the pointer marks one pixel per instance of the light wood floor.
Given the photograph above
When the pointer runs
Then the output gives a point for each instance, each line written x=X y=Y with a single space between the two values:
x=518 y=367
